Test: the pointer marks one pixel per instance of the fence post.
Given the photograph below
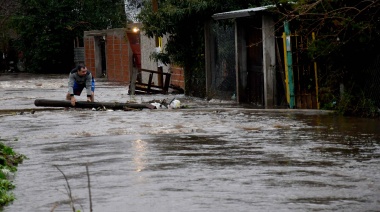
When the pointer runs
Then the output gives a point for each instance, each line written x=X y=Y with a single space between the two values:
x=290 y=65
x=316 y=76
x=286 y=69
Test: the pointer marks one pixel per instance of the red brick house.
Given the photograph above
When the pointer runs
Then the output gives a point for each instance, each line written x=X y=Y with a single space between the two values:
x=113 y=53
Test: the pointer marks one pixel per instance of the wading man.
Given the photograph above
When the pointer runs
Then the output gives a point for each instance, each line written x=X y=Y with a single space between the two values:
x=79 y=79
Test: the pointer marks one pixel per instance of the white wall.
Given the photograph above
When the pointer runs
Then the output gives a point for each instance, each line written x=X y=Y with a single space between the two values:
x=148 y=46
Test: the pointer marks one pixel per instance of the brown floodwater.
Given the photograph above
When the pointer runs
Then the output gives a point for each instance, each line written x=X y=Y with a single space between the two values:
x=211 y=156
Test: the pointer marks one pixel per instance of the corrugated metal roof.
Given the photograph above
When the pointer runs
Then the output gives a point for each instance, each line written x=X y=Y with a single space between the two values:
x=240 y=13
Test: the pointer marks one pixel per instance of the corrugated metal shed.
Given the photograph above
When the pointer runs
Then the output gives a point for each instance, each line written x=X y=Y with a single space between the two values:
x=240 y=13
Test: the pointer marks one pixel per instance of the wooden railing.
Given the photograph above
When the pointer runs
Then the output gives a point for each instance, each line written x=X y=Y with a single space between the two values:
x=139 y=87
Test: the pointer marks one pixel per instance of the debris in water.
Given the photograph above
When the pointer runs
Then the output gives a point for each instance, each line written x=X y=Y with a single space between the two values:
x=174 y=104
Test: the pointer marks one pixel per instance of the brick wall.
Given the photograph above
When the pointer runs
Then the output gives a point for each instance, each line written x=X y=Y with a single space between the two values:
x=118 y=53
x=89 y=54
x=119 y=56
x=177 y=77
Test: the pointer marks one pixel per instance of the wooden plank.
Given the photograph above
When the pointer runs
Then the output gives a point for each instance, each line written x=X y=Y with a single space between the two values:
x=314 y=102
x=167 y=83
x=150 y=82
x=138 y=84
x=132 y=86
x=146 y=90
x=304 y=101
x=269 y=61
x=154 y=72
x=209 y=58
x=84 y=104
x=309 y=102
x=298 y=100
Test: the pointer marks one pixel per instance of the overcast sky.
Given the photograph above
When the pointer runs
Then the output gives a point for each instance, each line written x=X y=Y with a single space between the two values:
x=132 y=8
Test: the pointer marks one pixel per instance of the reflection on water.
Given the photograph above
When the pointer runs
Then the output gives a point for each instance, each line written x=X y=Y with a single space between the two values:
x=140 y=150
x=201 y=159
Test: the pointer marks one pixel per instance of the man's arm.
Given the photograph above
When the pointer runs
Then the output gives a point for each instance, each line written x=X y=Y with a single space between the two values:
x=88 y=84
x=71 y=84
x=70 y=94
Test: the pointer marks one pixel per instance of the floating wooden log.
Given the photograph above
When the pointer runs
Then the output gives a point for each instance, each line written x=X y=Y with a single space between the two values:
x=84 y=104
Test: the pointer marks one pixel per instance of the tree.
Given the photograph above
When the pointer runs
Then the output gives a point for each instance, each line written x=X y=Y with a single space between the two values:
x=337 y=23
x=347 y=44
x=183 y=21
x=7 y=8
x=132 y=9
x=47 y=29
x=348 y=34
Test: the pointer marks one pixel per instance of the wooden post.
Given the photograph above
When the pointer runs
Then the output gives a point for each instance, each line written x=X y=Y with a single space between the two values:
x=150 y=82
x=286 y=70
x=242 y=93
x=132 y=85
x=290 y=65
x=316 y=77
x=269 y=61
x=167 y=83
x=209 y=50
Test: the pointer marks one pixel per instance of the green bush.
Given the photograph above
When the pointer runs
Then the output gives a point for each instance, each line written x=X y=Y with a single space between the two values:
x=9 y=161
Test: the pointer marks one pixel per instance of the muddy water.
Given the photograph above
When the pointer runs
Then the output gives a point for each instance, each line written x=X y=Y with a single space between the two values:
x=214 y=156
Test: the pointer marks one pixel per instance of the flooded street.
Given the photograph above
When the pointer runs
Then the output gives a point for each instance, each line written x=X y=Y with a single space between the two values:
x=211 y=156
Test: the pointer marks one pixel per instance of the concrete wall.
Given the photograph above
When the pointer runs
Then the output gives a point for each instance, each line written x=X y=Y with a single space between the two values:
x=148 y=46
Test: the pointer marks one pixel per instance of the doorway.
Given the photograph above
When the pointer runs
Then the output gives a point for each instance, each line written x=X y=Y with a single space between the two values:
x=100 y=56
x=255 y=75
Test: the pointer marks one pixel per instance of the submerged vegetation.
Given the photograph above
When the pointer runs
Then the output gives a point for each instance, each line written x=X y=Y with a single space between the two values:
x=9 y=161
